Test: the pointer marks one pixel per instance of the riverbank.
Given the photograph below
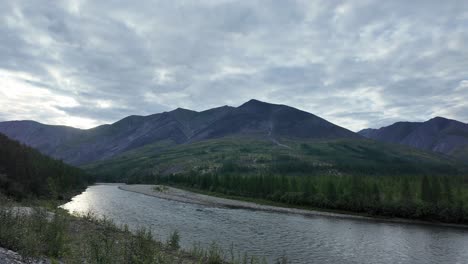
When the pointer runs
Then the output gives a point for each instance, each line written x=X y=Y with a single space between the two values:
x=175 y=194
x=37 y=235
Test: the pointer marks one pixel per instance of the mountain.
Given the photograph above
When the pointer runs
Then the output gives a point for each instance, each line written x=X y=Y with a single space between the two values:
x=271 y=120
x=440 y=135
x=181 y=126
x=25 y=172
x=254 y=138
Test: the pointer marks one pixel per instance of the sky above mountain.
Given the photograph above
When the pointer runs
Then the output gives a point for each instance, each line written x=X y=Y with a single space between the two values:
x=355 y=63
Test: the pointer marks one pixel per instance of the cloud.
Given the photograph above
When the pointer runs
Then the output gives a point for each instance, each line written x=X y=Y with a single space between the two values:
x=358 y=64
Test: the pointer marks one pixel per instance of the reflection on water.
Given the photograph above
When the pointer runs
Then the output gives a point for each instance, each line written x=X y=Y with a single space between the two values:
x=302 y=239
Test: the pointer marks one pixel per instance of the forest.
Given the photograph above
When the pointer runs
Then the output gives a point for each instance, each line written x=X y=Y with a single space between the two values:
x=25 y=173
x=425 y=197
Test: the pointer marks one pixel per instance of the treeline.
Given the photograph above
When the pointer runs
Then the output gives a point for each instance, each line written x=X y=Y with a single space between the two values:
x=435 y=198
x=25 y=172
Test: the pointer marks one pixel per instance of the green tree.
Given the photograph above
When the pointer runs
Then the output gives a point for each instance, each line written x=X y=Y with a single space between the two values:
x=331 y=191
x=426 y=195
x=448 y=192
x=406 y=195
x=435 y=190
x=375 y=193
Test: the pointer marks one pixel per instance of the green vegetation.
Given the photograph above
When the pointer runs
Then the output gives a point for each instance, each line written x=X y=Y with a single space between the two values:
x=174 y=240
x=58 y=236
x=254 y=156
x=215 y=254
x=360 y=176
x=159 y=188
x=433 y=198
x=24 y=172
x=73 y=239
x=31 y=178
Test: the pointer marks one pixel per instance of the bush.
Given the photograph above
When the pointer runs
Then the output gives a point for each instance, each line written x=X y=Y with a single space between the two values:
x=174 y=240
x=33 y=232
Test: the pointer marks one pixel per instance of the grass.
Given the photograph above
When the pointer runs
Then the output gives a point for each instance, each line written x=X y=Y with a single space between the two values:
x=86 y=239
x=160 y=188
x=215 y=254
x=60 y=237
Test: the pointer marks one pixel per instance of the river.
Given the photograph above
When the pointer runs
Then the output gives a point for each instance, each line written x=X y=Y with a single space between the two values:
x=302 y=239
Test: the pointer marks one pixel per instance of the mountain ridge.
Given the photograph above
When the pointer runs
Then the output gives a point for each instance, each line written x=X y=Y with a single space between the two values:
x=253 y=118
x=438 y=134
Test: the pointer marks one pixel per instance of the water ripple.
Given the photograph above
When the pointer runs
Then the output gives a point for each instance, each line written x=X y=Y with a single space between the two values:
x=302 y=239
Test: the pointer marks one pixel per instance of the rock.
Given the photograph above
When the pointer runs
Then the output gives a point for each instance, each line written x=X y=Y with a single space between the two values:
x=11 y=257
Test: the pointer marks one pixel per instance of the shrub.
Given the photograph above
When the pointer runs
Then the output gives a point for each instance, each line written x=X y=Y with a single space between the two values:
x=174 y=240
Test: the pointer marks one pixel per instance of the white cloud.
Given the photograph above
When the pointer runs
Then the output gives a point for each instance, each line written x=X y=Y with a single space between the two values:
x=356 y=63
x=25 y=101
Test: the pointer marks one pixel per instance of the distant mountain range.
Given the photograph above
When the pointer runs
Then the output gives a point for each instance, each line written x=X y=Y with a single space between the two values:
x=252 y=119
x=256 y=137
x=440 y=135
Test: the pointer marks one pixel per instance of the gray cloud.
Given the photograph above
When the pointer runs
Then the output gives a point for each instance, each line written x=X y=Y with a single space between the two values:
x=357 y=64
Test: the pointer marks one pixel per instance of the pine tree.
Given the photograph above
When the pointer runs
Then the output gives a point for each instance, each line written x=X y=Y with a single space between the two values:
x=375 y=193
x=405 y=194
x=426 y=195
x=435 y=189
x=448 y=190
x=331 y=191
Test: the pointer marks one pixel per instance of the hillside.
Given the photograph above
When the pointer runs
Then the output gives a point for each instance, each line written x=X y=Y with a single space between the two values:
x=24 y=172
x=251 y=156
x=440 y=135
x=356 y=175
x=180 y=126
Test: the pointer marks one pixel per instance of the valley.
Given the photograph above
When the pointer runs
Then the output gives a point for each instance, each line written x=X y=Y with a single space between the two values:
x=272 y=159
x=233 y=132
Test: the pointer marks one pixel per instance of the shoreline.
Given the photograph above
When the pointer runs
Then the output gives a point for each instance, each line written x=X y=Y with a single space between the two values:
x=179 y=195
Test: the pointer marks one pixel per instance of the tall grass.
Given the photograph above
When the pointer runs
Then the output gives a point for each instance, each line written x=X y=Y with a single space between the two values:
x=59 y=236
x=38 y=233
x=214 y=254
x=33 y=232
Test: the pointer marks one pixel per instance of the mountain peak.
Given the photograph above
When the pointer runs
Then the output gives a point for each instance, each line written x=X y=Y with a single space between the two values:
x=182 y=110
x=255 y=119
x=255 y=102
x=439 y=118
x=443 y=122
x=257 y=105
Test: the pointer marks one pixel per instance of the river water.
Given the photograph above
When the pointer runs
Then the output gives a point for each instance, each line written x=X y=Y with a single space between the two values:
x=301 y=239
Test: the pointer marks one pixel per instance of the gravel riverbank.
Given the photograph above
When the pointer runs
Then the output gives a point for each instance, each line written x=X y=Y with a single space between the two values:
x=179 y=195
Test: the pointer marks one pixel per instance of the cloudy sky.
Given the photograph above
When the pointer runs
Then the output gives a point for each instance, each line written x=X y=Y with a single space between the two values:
x=356 y=63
